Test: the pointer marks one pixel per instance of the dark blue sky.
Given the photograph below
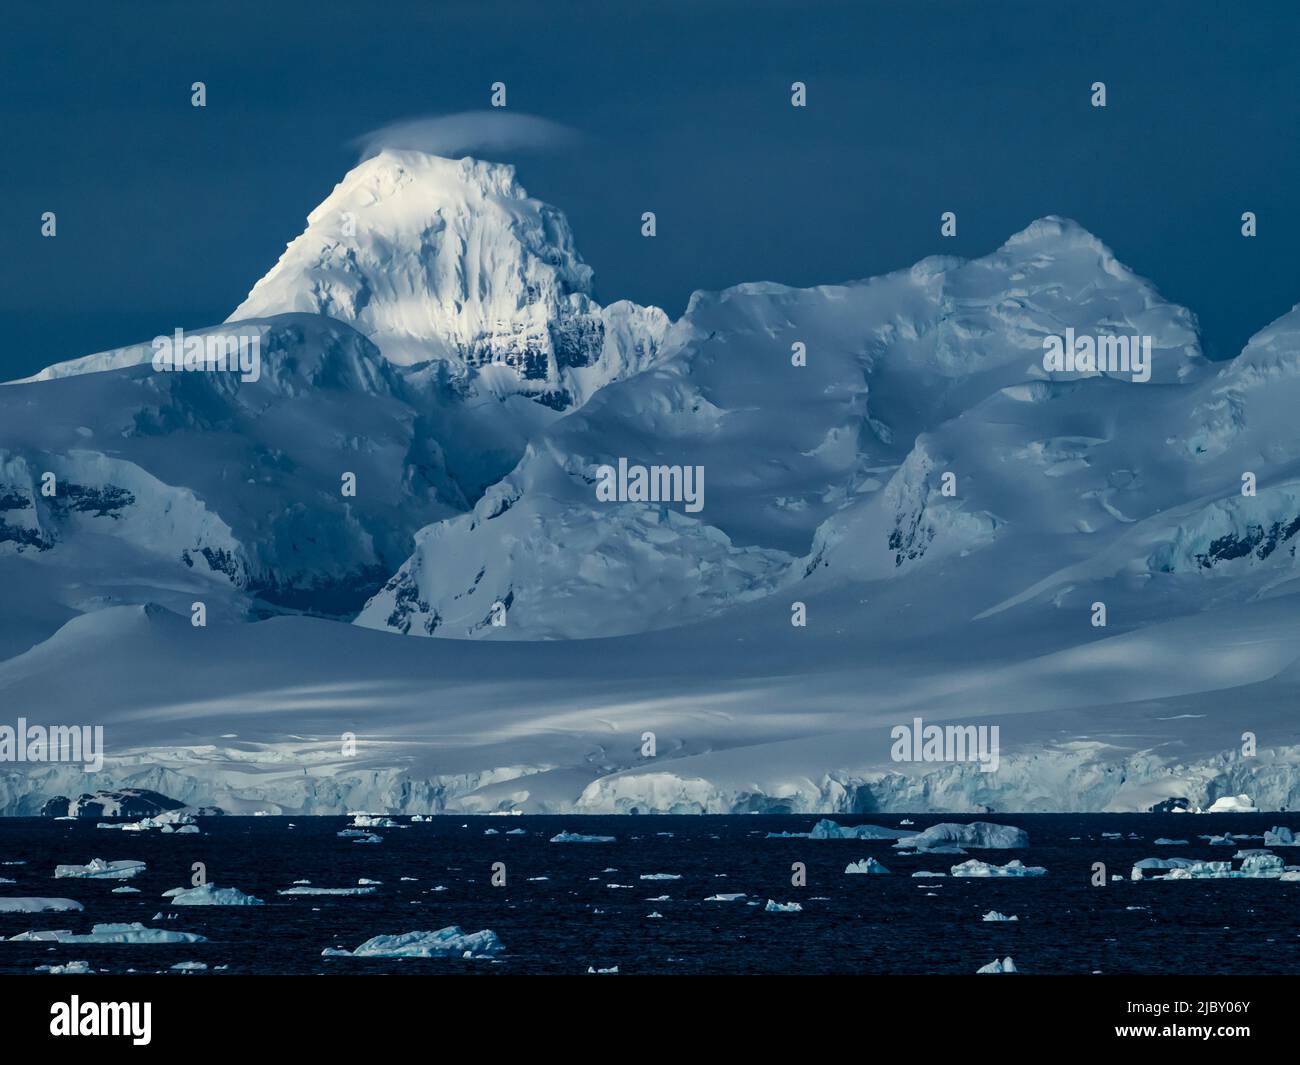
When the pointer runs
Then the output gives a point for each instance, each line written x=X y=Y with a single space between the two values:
x=168 y=214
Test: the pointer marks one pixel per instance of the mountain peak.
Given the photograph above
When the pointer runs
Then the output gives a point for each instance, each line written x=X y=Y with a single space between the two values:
x=435 y=258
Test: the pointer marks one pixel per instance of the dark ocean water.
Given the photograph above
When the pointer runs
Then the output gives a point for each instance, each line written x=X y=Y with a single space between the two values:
x=574 y=919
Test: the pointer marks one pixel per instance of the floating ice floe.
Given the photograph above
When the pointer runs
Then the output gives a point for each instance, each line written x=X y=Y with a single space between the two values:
x=782 y=907
x=993 y=915
x=1162 y=842
x=661 y=876
x=190 y=967
x=1256 y=865
x=1006 y=965
x=134 y=933
x=734 y=896
x=575 y=837
x=656 y=913
x=927 y=873
x=611 y=971
x=125 y=891
x=517 y=832
x=827 y=829
x=1232 y=804
x=373 y=821
x=210 y=895
x=1015 y=867
x=72 y=968
x=866 y=865
x=37 y=905
x=449 y=942
x=166 y=822
x=980 y=835
x=98 y=869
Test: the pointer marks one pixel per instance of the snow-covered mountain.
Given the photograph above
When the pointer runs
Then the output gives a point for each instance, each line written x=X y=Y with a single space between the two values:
x=904 y=511
x=835 y=463
x=179 y=487
x=451 y=260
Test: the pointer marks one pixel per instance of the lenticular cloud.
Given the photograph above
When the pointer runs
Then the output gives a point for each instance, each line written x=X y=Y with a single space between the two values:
x=466 y=132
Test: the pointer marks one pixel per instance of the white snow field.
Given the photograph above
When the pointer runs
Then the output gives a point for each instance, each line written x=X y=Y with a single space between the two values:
x=945 y=514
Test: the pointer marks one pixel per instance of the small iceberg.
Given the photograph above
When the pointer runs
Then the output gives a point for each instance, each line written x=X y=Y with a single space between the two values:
x=211 y=895
x=134 y=933
x=735 y=896
x=36 y=905
x=978 y=835
x=866 y=865
x=611 y=971
x=190 y=967
x=449 y=942
x=72 y=968
x=993 y=915
x=782 y=907
x=1280 y=837
x=373 y=821
x=661 y=876
x=575 y=837
x=1006 y=965
x=1015 y=867
x=1162 y=842
x=98 y=869
x=827 y=829
x=1232 y=804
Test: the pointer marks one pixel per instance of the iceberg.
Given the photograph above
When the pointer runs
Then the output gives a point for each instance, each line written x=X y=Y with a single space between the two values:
x=1232 y=804
x=72 y=968
x=1162 y=842
x=661 y=876
x=828 y=829
x=1280 y=837
x=328 y=891
x=574 y=837
x=211 y=895
x=866 y=865
x=1006 y=965
x=98 y=869
x=982 y=835
x=1015 y=867
x=133 y=933
x=449 y=942
x=993 y=915
x=734 y=896
x=36 y=905
x=782 y=907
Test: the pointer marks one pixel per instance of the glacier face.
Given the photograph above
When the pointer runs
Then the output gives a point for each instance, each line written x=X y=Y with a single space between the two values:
x=905 y=515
